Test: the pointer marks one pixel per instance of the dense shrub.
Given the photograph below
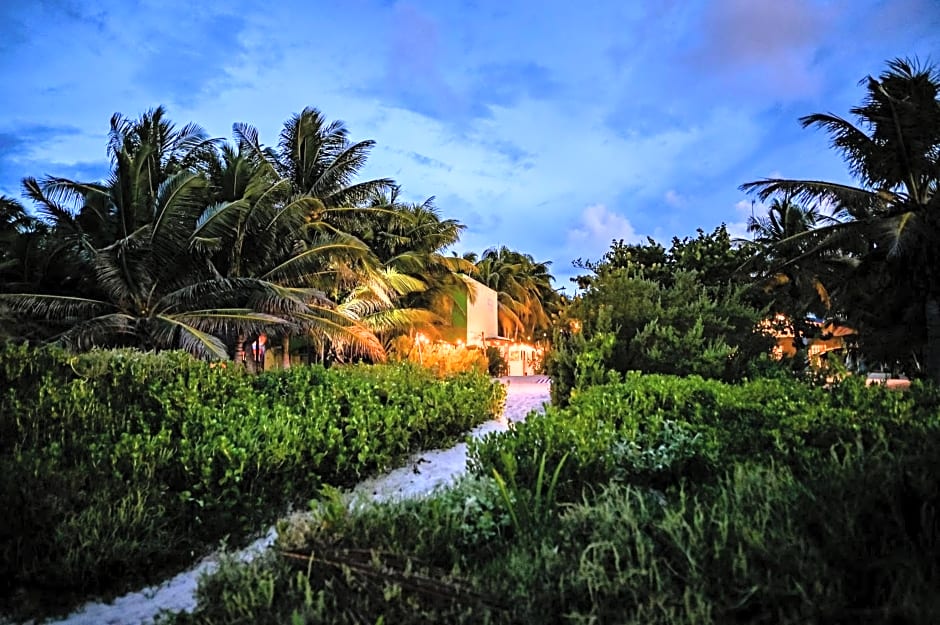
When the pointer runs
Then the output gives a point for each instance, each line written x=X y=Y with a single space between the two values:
x=689 y=501
x=685 y=310
x=852 y=539
x=855 y=540
x=443 y=359
x=652 y=430
x=496 y=364
x=115 y=466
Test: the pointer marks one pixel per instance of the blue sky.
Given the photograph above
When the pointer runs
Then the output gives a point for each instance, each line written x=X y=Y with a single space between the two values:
x=552 y=127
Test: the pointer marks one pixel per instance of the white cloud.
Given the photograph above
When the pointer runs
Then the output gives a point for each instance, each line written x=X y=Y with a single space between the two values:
x=738 y=230
x=744 y=209
x=597 y=228
x=674 y=198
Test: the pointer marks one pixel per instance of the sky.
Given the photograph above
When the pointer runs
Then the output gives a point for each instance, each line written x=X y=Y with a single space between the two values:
x=548 y=126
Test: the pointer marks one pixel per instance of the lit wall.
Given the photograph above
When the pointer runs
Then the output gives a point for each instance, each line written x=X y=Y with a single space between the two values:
x=481 y=314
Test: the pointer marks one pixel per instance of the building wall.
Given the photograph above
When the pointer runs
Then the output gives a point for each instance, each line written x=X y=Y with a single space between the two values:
x=481 y=314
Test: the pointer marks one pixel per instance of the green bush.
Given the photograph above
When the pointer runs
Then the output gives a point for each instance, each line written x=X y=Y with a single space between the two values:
x=118 y=466
x=400 y=562
x=689 y=501
x=851 y=538
x=654 y=430
x=496 y=364
x=685 y=310
x=850 y=542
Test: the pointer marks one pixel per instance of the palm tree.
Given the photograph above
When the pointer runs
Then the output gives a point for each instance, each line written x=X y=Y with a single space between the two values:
x=411 y=239
x=778 y=244
x=137 y=280
x=377 y=306
x=23 y=258
x=891 y=219
x=318 y=160
x=20 y=234
x=523 y=288
x=313 y=172
x=258 y=229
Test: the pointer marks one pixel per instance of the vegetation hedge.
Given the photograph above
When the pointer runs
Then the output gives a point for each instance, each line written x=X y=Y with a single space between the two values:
x=116 y=467
x=846 y=536
x=656 y=430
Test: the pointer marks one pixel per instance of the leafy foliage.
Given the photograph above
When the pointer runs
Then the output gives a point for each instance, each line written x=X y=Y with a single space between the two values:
x=652 y=430
x=111 y=459
x=441 y=359
x=885 y=229
x=525 y=298
x=649 y=309
x=496 y=364
x=725 y=504
x=201 y=245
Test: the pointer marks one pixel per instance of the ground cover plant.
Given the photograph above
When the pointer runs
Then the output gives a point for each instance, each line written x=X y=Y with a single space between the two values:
x=117 y=467
x=650 y=430
x=655 y=512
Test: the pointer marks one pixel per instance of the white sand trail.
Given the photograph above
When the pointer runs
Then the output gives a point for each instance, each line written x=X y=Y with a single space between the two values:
x=423 y=473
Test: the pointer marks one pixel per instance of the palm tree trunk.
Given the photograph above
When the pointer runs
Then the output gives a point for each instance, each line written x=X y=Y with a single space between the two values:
x=240 y=349
x=932 y=357
x=285 y=351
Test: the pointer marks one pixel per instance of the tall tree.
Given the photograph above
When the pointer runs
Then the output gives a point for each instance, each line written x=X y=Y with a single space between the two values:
x=891 y=218
x=136 y=279
x=525 y=297
x=20 y=237
x=315 y=169
x=259 y=229
x=411 y=239
x=801 y=280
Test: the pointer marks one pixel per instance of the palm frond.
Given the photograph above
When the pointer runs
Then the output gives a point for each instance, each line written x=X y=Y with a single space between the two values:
x=56 y=213
x=100 y=331
x=399 y=319
x=218 y=219
x=356 y=193
x=199 y=294
x=400 y=283
x=54 y=307
x=248 y=141
x=312 y=258
x=859 y=203
x=856 y=147
x=69 y=191
x=178 y=199
x=896 y=230
x=230 y=321
x=346 y=334
x=170 y=331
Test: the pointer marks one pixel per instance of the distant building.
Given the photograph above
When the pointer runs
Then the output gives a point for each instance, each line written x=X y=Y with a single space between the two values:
x=832 y=337
x=474 y=316
x=475 y=322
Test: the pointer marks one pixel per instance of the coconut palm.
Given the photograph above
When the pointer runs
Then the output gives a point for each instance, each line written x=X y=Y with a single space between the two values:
x=788 y=272
x=411 y=239
x=318 y=160
x=20 y=236
x=311 y=182
x=376 y=305
x=259 y=229
x=892 y=217
x=523 y=287
x=136 y=278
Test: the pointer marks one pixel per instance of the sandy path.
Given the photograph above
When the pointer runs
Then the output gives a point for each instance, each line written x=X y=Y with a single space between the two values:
x=427 y=470
x=423 y=472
